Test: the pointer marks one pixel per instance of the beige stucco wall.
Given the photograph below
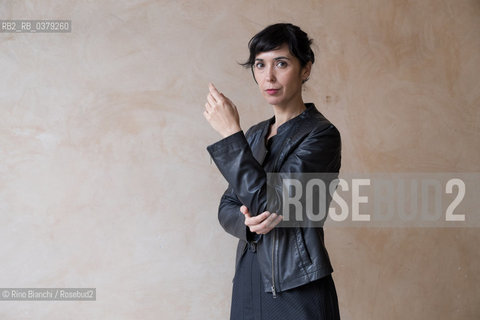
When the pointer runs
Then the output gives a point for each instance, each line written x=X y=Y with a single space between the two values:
x=105 y=181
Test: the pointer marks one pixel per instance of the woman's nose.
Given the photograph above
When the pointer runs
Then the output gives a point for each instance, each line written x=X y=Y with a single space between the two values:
x=270 y=75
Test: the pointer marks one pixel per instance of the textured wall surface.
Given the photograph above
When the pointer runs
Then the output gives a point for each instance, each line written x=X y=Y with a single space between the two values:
x=105 y=181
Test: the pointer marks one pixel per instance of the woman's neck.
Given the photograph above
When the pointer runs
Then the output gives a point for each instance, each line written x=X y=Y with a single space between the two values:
x=285 y=113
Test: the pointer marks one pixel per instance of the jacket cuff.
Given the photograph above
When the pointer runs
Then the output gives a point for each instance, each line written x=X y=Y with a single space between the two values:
x=231 y=143
x=252 y=237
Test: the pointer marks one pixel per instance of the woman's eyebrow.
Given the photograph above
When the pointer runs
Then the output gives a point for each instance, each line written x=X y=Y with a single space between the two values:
x=276 y=58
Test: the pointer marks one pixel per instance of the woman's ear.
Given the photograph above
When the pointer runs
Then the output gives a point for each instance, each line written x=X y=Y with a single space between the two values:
x=306 y=71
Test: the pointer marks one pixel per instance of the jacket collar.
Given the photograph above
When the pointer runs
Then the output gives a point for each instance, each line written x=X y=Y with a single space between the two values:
x=308 y=112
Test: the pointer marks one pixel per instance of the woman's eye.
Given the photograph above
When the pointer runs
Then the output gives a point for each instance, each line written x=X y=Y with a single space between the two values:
x=259 y=65
x=281 y=64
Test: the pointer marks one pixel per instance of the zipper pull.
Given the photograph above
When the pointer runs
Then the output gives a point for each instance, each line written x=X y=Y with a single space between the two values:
x=274 y=292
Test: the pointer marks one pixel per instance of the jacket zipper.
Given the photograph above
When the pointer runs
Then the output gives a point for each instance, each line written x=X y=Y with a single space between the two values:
x=273 y=263
x=274 y=292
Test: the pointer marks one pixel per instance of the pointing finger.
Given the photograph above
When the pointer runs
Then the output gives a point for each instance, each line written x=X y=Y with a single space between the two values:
x=216 y=94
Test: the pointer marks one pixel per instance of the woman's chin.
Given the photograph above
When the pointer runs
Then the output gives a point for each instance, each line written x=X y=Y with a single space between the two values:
x=273 y=100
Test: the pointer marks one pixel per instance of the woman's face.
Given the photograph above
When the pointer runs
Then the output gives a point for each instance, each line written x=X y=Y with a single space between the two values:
x=279 y=76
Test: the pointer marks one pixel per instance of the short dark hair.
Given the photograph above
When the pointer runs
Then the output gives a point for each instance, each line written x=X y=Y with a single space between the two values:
x=276 y=35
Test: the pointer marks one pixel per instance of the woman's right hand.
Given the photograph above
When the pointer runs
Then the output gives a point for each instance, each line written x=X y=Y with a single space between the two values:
x=221 y=113
x=262 y=223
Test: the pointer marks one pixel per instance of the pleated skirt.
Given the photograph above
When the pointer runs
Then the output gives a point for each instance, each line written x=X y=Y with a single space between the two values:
x=312 y=301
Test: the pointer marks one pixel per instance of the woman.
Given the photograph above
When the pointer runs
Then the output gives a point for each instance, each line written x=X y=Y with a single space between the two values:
x=281 y=273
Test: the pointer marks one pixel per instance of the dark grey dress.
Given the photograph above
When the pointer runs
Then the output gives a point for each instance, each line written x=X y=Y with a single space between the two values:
x=315 y=300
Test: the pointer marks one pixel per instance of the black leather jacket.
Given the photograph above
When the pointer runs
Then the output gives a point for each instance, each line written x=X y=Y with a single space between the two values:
x=288 y=257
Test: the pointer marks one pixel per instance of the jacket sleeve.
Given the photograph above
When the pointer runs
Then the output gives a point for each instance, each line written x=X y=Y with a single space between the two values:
x=230 y=217
x=245 y=175
x=319 y=151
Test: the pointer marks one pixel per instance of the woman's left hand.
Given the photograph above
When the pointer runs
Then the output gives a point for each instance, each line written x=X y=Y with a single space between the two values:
x=261 y=224
x=221 y=113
